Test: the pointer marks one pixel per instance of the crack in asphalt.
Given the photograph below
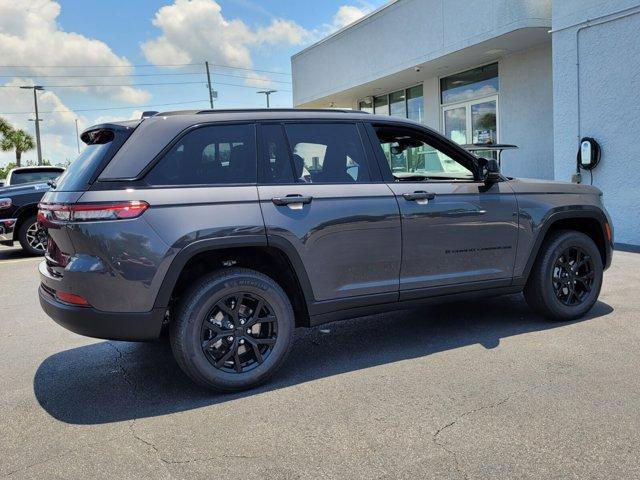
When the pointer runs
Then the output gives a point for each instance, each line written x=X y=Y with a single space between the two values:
x=453 y=453
x=132 y=430
x=61 y=455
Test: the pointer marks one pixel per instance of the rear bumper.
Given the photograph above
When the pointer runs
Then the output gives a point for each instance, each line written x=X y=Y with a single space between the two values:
x=90 y=322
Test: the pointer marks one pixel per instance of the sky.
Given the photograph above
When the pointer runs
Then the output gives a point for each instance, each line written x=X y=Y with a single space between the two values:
x=98 y=60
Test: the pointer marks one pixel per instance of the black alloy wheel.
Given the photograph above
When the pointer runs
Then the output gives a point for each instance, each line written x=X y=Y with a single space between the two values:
x=573 y=275
x=239 y=332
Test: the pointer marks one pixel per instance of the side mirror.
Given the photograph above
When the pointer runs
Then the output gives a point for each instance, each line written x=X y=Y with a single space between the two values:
x=492 y=170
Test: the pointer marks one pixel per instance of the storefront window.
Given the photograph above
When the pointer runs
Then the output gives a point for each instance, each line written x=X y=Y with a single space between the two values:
x=415 y=104
x=366 y=105
x=406 y=103
x=474 y=83
x=397 y=102
x=381 y=105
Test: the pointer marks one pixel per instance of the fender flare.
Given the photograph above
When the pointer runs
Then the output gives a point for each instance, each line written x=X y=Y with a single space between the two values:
x=200 y=246
x=563 y=213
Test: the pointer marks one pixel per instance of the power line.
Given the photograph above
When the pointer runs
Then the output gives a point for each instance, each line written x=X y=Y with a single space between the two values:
x=126 y=75
x=248 y=78
x=113 y=75
x=111 y=85
x=149 y=65
x=107 y=108
x=253 y=87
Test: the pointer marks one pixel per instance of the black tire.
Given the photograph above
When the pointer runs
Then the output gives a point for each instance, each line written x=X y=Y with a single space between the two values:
x=188 y=326
x=26 y=233
x=550 y=285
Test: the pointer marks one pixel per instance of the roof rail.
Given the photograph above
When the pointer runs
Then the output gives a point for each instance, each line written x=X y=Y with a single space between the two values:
x=242 y=110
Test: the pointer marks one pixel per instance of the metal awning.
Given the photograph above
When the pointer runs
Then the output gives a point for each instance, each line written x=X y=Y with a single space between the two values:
x=494 y=147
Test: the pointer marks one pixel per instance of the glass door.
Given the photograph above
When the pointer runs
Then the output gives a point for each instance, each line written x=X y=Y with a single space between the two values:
x=475 y=121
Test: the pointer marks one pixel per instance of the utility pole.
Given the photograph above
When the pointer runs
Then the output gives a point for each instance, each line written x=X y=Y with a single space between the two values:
x=267 y=94
x=37 y=120
x=206 y=64
x=77 y=136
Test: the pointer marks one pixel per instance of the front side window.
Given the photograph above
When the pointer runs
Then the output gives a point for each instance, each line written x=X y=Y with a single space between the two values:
x=217 y=154
x=410 y=156
x=327 y=153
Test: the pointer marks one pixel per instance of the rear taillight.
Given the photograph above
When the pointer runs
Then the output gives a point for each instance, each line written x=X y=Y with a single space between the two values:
x=49 y=213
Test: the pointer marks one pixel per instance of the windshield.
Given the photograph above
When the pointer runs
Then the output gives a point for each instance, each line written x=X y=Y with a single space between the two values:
x=33 y=176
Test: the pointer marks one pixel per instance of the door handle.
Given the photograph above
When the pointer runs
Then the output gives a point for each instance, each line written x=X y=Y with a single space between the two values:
x=419 y=195
x=291 y=200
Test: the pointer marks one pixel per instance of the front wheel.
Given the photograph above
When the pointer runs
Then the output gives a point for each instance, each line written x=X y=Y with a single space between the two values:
x=33 y=238
x=566 y=279
x=232 y=329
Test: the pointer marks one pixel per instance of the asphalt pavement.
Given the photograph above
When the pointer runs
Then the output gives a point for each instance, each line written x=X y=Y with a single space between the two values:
x=481 y=389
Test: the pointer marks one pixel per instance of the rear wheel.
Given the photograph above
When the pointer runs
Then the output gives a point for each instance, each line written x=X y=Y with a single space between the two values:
x=566 y=279
x=33 y=238
x=232 y=330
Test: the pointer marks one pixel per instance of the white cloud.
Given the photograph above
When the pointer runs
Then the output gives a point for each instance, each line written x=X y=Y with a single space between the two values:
x=30 y=34
x=259 y=81
x=347 y=14
x=196 y=30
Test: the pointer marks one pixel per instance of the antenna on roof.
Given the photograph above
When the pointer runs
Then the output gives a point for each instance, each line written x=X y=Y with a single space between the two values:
x=148 y=113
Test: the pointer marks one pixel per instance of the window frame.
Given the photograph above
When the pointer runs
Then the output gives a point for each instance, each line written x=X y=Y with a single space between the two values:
x=142 y=176
x=433 y=139
x=372 y=166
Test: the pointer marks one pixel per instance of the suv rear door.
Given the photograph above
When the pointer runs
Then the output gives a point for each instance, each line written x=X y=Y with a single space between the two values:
x=456 y=231
x=324 y=203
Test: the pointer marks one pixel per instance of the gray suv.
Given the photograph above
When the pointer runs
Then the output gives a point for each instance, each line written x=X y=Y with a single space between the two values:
x=231 y=228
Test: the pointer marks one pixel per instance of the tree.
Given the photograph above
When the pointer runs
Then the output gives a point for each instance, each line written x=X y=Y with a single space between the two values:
x=17 y=140
x=5 y=126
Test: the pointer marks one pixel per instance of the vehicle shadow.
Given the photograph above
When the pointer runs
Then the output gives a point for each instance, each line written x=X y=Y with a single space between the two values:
x=13 y=253
x=117 y=381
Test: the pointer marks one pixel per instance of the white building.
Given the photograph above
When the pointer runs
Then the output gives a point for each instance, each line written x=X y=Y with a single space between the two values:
x=536 y=73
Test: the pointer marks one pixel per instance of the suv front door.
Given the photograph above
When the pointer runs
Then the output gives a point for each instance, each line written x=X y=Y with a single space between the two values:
x=323 y=201
x=456 y=231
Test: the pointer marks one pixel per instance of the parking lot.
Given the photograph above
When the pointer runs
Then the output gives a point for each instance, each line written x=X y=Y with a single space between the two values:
x=482 y=389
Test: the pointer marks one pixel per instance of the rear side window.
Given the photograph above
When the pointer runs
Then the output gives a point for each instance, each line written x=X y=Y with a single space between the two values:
x=327 y=153
x=277 y=162
x=220 y=154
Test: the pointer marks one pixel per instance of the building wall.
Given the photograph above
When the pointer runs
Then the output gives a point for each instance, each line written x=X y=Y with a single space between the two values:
x=526 y=113
x=403 y=34
x=596 y=80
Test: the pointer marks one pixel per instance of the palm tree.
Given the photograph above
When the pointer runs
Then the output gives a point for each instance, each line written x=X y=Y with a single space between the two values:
x=17 y=140
x=4 y=126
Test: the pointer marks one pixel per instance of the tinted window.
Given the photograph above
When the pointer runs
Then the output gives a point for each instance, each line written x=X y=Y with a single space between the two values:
x=409 y=154
x=277 y=162
x=327 y=153
x=102 y=144
x=20 y=177
x=209 y=155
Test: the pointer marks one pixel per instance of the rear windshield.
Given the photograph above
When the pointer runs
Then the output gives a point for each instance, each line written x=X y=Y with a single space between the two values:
x=101 y=147
x=33 y=176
